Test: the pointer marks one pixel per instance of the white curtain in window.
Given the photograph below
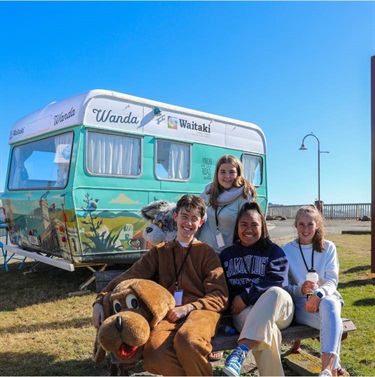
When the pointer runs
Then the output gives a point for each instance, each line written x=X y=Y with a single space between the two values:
x=178 y=167
x=113 y=154
x=250 y=165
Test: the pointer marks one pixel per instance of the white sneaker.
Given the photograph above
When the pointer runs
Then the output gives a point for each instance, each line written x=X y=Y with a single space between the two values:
x=325 y=373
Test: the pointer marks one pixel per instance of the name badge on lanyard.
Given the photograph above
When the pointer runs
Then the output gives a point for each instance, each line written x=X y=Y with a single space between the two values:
x=178 y=296
x=220 y=240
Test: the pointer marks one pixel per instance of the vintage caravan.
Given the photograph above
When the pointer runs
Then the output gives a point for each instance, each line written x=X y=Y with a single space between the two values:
x=80 y=170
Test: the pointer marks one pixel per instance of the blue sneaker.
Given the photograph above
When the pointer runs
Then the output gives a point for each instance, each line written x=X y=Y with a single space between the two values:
x=233 y=364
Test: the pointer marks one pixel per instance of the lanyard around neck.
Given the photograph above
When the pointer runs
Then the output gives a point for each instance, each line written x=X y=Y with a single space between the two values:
x=182 y=265
x=303 y=257
x=217 y=213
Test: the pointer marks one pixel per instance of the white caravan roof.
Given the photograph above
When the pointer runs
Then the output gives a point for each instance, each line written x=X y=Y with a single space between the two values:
x=109 y=110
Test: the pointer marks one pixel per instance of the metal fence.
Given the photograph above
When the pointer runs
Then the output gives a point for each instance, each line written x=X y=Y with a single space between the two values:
x=330 y=211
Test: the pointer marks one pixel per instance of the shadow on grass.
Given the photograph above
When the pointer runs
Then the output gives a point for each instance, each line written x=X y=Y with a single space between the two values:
x=357 y=269
x=356 y=283
x=365 y=302
x=47 y=284
x=57 y=325
x=37 y=364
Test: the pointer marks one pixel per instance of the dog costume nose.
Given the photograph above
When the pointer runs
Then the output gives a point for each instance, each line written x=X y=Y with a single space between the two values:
x=118 y=323
x=148 y=229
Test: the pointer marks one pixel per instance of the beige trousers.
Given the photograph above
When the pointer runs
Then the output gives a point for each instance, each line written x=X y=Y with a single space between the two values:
x=262 y=322
x=182 y=349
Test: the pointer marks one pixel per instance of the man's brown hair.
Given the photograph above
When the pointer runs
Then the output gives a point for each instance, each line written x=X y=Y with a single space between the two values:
x=191 y=201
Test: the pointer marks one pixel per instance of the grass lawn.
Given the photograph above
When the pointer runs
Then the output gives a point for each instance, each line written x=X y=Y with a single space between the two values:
x=43 y=331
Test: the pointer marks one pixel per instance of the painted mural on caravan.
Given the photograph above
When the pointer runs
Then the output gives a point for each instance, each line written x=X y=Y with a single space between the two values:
x=81 y=169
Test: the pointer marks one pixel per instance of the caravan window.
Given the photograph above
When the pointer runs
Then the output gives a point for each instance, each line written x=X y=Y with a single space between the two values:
x=113 y=154
x=172 y=160
x=252 y=168
x=41 y=164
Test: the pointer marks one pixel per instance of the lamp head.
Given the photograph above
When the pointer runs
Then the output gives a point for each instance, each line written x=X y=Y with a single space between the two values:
x=303 y=148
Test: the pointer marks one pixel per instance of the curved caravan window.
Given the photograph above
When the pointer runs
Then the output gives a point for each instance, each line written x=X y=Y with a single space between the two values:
x=113 y=154
x=172 y=160
x=252 y=168
x=41 y=164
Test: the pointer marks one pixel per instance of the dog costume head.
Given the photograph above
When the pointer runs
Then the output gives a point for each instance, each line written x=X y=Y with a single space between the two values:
x=162 y=225
x=131 y=310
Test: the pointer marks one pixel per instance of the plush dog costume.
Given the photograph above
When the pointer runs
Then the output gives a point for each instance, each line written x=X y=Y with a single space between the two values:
x=162 y=225
x=131 y=310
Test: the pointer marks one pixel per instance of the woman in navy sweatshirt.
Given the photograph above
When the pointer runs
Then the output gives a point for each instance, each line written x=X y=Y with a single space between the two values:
x=256 y=270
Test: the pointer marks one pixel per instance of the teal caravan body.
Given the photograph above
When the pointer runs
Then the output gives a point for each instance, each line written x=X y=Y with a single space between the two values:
x=80 y=170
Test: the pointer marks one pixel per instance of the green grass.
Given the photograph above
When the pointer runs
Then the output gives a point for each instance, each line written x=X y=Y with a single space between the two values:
x=43 y=331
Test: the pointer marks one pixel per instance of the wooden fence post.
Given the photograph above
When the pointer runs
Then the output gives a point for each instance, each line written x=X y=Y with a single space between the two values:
x=373 y=164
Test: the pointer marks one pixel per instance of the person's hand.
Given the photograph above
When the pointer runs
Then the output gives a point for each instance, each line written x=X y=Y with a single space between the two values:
x=97 y=315
x=179 y=312
x=237 y=305
x=308 y=287
x=312 y=304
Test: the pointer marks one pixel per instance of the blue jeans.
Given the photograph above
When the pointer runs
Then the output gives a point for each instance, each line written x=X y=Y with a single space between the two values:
x=327 y=320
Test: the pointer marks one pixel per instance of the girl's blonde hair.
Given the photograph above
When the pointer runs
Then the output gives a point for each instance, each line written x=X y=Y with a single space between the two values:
x=240 y=180
x=318 y=240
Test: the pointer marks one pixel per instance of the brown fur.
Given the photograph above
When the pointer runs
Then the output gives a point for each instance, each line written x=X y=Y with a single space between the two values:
x=127 y=327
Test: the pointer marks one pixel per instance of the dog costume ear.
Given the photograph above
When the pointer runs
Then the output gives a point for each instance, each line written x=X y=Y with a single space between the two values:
x=107 y=305
x=99 y=352
x=150 y=211
x=158 y=299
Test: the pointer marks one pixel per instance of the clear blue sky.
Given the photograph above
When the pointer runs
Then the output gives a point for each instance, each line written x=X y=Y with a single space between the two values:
x=290 y=67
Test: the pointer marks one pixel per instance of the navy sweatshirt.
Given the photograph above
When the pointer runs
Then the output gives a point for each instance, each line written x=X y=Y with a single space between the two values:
x=250 y=271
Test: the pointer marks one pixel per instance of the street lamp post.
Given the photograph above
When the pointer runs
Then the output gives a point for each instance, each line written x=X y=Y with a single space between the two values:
x=303 y=148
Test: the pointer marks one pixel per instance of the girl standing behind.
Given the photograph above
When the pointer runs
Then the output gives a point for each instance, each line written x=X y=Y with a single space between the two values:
x=256 y=270
x=317 y=304
x=224 y=197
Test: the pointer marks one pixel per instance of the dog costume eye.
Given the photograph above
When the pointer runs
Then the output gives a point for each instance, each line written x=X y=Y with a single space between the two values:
x=131 y=302
x=117 y=307
x=160 y=224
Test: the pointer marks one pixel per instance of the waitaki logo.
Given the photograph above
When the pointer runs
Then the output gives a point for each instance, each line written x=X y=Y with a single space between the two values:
x=16 y=132
x=62 y=117
x=201 y=127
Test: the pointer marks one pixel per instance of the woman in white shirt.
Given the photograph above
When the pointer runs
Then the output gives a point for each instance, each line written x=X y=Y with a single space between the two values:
x=317 y=304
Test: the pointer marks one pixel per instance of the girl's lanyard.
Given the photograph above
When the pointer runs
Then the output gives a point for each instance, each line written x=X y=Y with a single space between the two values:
x=217 y=213
x=219 y=236
x=177 y=273
x=304 y=260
